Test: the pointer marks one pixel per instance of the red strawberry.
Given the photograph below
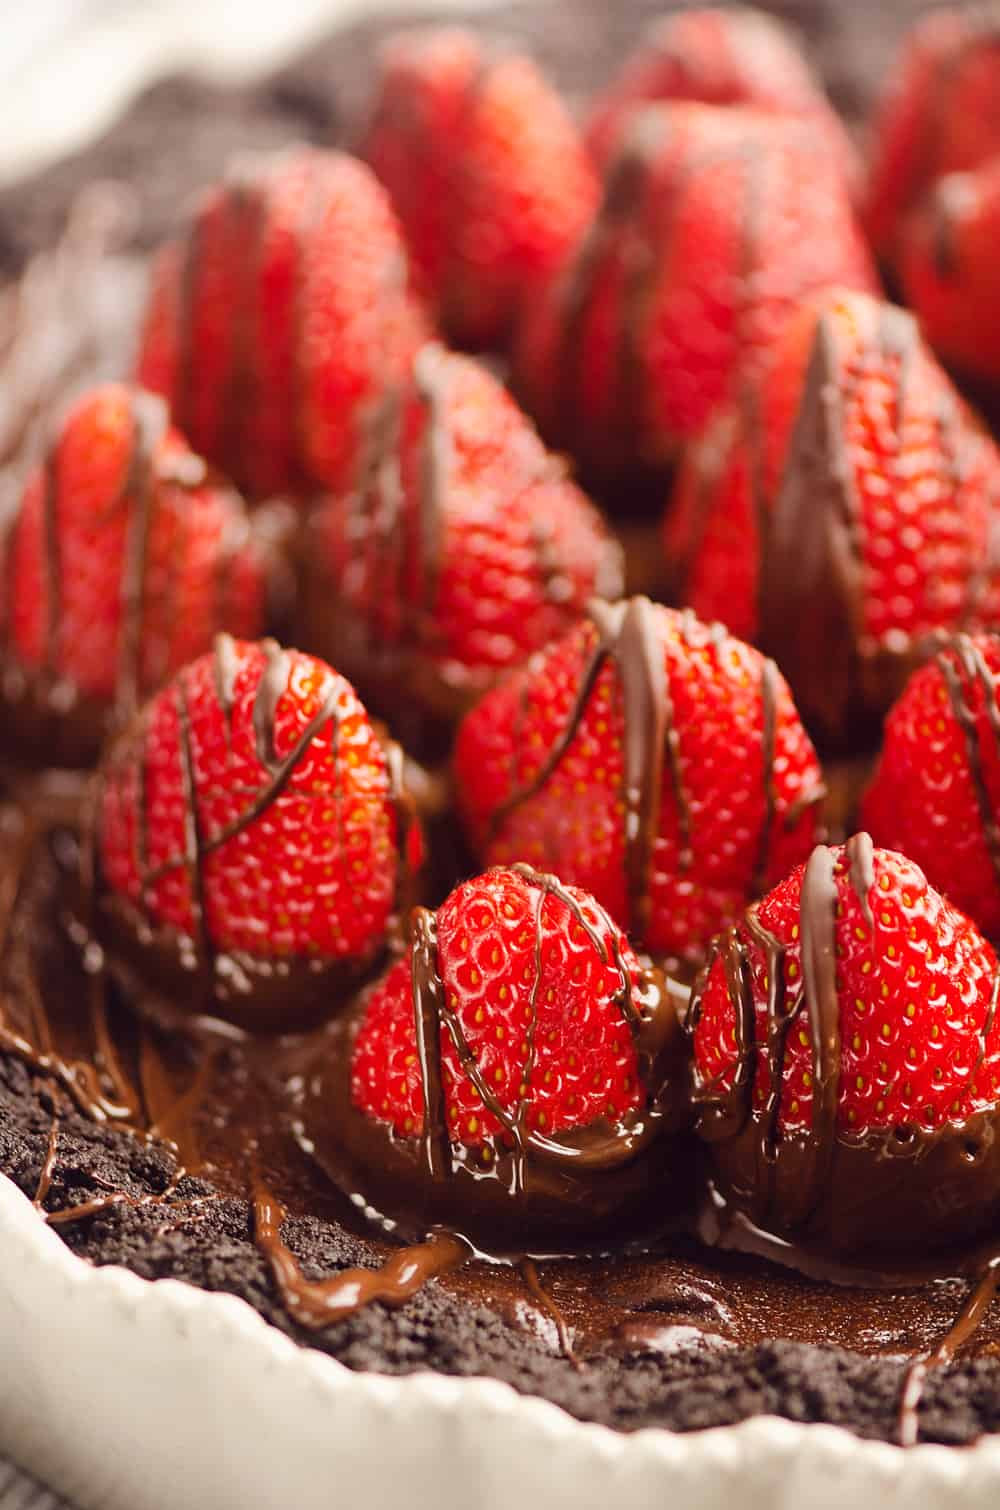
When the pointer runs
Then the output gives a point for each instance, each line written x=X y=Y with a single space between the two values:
x=941 y=114
x=718 y=57
x=936 y=791
x=280 y=317
x=487 y=173
x=949 y=271
x=842 y=511
x=715 y=224
x=650 y=758
x=248 y=822
x=124 y=559
x=846 y=1064
x=521 y=1043
x=467 y=549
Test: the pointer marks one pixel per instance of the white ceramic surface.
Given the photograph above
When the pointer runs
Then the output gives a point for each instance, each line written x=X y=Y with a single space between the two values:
x=128 y=1395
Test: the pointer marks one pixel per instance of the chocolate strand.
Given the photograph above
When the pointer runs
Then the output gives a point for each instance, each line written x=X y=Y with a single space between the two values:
x=966 y=1324
x=48 y=1168
x=428 y=991
x=320 y=1303
x=528 y=1270
x=627 y=633
x=769 y=730
x=226 y=669
x=818 y=923
x=722 y=1113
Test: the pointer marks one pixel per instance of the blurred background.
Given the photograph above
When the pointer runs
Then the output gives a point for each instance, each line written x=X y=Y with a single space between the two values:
x=67 y=67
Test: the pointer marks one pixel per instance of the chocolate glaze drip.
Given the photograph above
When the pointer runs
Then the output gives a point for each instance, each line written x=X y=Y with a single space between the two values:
x=628 y=634
x=320 y=1303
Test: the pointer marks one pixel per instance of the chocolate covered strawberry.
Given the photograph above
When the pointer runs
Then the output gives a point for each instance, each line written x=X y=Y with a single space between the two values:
x=718 y=57
x=466 y=548
x=124 y=558
x=940 y=114
x=714 y=224
x=846 y=1059
x=517 y=1066
x=487 y=173
x=947 y=266
x=936 y=791
x=842 y=511
x=650 y=758
x=279 y=317
x=248 y=837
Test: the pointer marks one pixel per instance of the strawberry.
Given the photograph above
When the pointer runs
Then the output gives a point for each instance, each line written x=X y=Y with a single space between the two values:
x=279 y=317
x=936 y=790
x=718 y=57
x=846 y=1057
x=948 y=268
x=467 y=548
x=565 y=992
x=715 y=223
x=842 y=510
x=124 y=558
x=487 y=172
x=248 y=821
x=940 y=114
x=520 y=1042
x=650 y=758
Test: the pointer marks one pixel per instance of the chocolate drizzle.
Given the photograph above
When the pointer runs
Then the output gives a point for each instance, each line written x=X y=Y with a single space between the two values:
x=628 y=633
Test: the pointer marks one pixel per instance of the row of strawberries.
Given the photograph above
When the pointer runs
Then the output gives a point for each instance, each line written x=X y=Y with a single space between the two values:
x=838 y=505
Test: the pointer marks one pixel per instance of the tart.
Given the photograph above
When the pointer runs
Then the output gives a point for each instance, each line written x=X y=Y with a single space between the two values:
x=290 y=1016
